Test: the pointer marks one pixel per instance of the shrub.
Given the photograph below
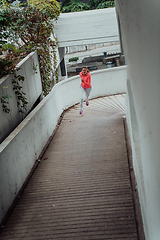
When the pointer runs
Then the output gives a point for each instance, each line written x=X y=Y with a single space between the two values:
x=27 y=28
x=73 y=6
x=50 y=8
x=106 y=4
x=77 y=5
x=73 y=59
x=5 y=21
x=10 y=47
x=31 y=27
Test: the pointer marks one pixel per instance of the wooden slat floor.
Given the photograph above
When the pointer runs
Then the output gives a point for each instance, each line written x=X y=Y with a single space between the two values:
x=81 y=189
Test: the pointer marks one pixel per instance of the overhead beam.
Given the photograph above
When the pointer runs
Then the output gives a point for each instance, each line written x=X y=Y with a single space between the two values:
x=87 y=27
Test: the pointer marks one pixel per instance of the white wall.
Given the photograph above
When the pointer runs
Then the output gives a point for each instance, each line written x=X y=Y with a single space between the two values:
x=108 y=81
x=20 y=150
x=88 y=47
x=31 y=86
x=139 y=24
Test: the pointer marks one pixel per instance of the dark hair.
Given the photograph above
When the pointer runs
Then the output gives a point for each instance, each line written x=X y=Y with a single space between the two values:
x=86 y=68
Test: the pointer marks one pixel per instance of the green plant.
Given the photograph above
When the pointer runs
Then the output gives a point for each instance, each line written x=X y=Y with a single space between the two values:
x=73 y=59
x=73 y=6
x=77 y=5
x=34 y=27
x=50 y=8
x=35 y=68
x=106 y=4
x=5 y=67
x=31 y=28
x=21 y=99
x=5 y=103
x=5 y=21
x=10 y=47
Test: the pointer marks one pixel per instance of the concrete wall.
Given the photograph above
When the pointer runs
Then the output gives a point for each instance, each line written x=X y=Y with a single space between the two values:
x=109 y=81
x=140 y=33
x=88 y=47
x=20 y=150
x=31 y=86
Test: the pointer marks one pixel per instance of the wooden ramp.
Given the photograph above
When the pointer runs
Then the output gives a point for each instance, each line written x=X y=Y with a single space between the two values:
x=81 y=189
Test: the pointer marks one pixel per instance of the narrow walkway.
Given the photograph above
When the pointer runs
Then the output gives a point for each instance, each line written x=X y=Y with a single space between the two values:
x=81 y=188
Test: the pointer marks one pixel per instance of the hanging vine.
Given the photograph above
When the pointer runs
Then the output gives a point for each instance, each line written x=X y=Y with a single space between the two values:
x=31 y=28
x=4 y=101
x=21 y=99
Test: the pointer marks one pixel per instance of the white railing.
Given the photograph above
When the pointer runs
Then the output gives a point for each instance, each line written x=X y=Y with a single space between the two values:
x=20 y=150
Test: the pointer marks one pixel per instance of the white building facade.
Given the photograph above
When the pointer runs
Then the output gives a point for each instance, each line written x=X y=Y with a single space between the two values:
x=140 y=38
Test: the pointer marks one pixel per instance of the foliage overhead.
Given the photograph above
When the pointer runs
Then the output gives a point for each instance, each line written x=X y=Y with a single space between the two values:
x=23 y=29
x=73 y=6
x=77 y=5
x=30 y=28
x=106 y=4
x=5 y=22
x=50 y=8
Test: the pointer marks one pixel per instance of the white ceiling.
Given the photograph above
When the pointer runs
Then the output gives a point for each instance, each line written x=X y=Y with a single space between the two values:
x=87 y=27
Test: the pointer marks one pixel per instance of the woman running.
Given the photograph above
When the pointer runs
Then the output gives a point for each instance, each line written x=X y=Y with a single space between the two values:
x=85 y=87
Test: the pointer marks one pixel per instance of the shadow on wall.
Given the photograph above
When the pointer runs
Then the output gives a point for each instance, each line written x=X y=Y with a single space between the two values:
x=136 y=139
